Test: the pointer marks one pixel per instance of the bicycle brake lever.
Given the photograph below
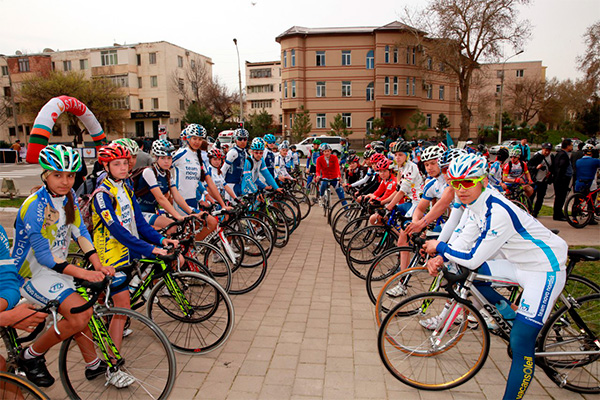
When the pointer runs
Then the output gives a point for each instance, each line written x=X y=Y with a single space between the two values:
x=54 y=318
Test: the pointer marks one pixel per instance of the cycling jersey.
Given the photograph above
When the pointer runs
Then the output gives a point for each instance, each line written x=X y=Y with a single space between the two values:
x=234 y=165
x=495 y=175
x=411 y=181
x=295 y=159
x=251 y=182
x=188 y=172
x=280 y=167
x=386 y=188
x=434 y=188
x=219 y=180
x=513 y=170
x=311 y=160
x=586 y=168
x=355 y=175
x=366 y=177
x=269 y=157
x=329 y=168
x=153 y=177
x=9 y=290
x=205 y=160
x=344 y=154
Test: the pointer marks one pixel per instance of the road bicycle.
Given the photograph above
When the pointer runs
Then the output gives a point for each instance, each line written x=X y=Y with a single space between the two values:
x=15 y=387
x=581 y=208
x=516 y=194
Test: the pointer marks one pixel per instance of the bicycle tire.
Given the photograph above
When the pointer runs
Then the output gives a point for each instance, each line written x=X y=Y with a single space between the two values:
x=13 y=387
x=403 y=343
x=289 y=213
x=340 y=225
x=366 y=245
x=280 y=226
x=335 y=207
x=561 y=331
x=303 y=201
x=210 y=324
x=295 y=204
x=256 y=228
x=151 y=347
x=382 y=268
x=579 y=286
x=578 y=211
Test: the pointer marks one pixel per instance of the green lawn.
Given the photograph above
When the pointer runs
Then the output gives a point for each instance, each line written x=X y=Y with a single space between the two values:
x=16 y=202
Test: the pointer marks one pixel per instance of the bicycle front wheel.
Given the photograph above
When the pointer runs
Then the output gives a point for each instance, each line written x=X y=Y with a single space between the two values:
x=431 y=342
x=366 y=245
x=14 y=387
x=146 y=355
x=578 y=211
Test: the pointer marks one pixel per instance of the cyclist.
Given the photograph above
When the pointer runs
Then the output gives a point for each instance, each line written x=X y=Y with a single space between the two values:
x=344 y=153
x=281 y=166
x=295 y=160
x=411 y=181
x=355 y=171
x=216 y=158
x=311 y=161
x=234 y=161
x=370 y=181
x=515 y=172
x=270 y=152
x=328 y=172
x=133 y=148
x=387 y=185
x=587 y=168
x=495 y=175
x=45 y=224
x=255 y=165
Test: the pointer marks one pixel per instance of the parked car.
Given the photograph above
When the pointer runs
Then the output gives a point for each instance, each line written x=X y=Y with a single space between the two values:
x=575 y=144
x=334 y=141
x=509 y=144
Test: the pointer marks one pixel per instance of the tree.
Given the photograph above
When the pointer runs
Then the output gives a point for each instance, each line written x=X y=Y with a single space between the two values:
x=261 y=123
x=465 y=32
x=197 y=114
x=378 y=128
x=302 y=125
x=589 y=63
x=418 y=124
x=442 y=123
x=339 y=127
x=100 y=95
x=525 y=97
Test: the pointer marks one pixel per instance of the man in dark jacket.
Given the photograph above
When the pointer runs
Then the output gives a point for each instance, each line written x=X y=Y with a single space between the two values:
x=563 y=173
x=540 y=168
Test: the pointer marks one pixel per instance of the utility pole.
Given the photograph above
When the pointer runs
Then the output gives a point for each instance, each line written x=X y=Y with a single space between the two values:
x=240 y=82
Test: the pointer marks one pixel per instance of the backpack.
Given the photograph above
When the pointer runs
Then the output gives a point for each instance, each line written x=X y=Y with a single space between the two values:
x=135 y=179
x=85 y=207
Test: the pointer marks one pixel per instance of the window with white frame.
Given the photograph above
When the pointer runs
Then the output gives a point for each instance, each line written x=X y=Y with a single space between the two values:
x=321 y=121
x=386 y=86
x=346 y=88
x=122 y=103
x=293 y=89
x=414 y=86
x=109 y=57
x=285 y=59
x=395 y=88
x=428 y=119
x=180 y=61
x=67 y=65
x=285 y=90
x=293 y=57
x=395 y=55
x=4 y=70
x=442 y=89
x=370 y=60
x=320 y=60
x=120 y=80
x=520 y=73
x=386 y=54
x=370 y=125
x=347 y=118
x=152 y=58
x=154 y=81
x=370 y=91
x=23 y=64
x=261 y=73
x=138 y=58
x=260 y=104
x=260 y=88
x=320 y=89
x=155 y=104
x=346 y=58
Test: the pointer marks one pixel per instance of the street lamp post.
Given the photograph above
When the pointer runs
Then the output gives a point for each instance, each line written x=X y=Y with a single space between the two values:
x=502 y=93
x=240 y=82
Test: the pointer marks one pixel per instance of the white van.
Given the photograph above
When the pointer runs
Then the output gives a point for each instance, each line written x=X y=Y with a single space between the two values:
x=226 y=137
x=305 y=146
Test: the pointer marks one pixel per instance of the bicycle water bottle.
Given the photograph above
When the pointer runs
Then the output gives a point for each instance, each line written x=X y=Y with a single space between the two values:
x=507 y=312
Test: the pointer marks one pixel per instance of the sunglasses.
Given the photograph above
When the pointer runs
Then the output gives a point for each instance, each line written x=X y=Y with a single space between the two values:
x=242 y=139
x=465 y=183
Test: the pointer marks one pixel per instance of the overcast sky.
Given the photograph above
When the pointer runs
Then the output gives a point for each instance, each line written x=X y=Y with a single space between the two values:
x=208 y=27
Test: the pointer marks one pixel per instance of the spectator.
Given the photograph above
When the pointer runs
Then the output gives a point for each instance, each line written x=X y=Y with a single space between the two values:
x=147 y=145
x=563 y=173
x=17 y=147
x=525 y=150
x=540 y=167
x=587 y=168
x=576 y=155
x=143 y=160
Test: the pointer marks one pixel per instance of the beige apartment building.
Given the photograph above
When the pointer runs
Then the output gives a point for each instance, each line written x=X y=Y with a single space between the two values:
x=151 y=75
x=364 y=73
x=263 y=89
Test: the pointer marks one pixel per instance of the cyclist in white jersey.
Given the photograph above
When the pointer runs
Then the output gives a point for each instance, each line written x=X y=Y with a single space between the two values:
x=411 y=181
x=281 y=163
x=216 y=159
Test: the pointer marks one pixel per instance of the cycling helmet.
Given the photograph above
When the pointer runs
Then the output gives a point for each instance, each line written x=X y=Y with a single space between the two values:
x=257 y=144
x=588 y=148
x=131 y=145
x=324 y=146
x=376 y=158
x=58 y=157
x=162 y=148
x=367 y=154
x=270 y=139
x=442 y=146
x=316 y=141
x=420 y=142
x=383 y=164
x=113 y=151
x=353 y=158
x=293 y=147
x=468 y=166
x=351 y=152
x=183 y=138
x=240 y=133
x=379 y=149
x=481 y=148
x=516 y=152
x=405 y=147
x=376 y=143
x=283 y=145
x=216 y=153
x=502 y=154
x=195 y=130
x=432 y=153
x=450 y=155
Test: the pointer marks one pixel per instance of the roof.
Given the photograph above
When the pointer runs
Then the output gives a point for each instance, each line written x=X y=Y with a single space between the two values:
x=392 y=26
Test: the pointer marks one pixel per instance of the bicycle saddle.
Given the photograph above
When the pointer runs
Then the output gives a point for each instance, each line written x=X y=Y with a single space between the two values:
x=587 y=254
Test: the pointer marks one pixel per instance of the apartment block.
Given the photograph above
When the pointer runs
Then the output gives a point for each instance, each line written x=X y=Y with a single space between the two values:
x=263 y=89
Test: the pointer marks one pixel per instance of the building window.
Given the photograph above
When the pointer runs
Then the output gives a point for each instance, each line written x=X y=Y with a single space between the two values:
x=152 y=58
x=181 y=105
x=120 y=80
x=429 y=90
x=346 y=88
x=442 y=67
x=411 y=55
x=180 y=61
x=261 y=73
x=67 y=65
x=387 y=54
x=395 y=55
x=261 y=104
x=261 y=89
x=122 y=103
x=442 y=92
x=285 y=93
x=429 y=63
x=83 y=64
x=321 y=120
x=4 y=70
x=140 y=82
x=154 y=81
x=370 y=60
x=193 y=64
x=347 y=118
x=138 y=59
x=370 y=92
x=155 y=104
x=293 y=89
x=291 y=120
x=499 y=74
x=408 y=86
x=23 y=64
x=414 y=85
x=285 y=59
x=180 y=84
x=428 y=120
x=320 y=89
x=498 y=88
x=109 y=57
x=141 y=104
x=346 y=60
x=320 y=61
x=395 y=90
x=386 y=85
x=293 y=57
x=370 y=125
x=520 y=73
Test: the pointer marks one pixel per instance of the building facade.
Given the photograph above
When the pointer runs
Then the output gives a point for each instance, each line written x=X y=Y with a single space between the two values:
x=152 y=77
x=263 y=89
x=364 y=73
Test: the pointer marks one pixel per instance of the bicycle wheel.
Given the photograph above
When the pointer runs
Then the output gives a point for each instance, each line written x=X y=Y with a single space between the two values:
x=210 y=257
x=344 y=216
x=257 y=229
x=579 y=286
x=350 y=229
x=14 y=387
x=303 y=202
x=573 y=330
x=288 y=212
x=433 y=360
x=146 y=355
x=207 y=320
x=275 y=218
x=383 y=267
x=366 y=245
x=292 y=202
x=335 y=207
x=578 y=211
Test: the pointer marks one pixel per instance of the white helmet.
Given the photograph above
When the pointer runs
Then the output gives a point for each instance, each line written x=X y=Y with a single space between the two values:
x=432 y=153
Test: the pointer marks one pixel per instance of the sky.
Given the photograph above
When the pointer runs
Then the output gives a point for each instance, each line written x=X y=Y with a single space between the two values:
x=208 y=27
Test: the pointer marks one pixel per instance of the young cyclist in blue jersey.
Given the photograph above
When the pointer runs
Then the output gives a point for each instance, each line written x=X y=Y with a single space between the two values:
x=255 y=166
x=496 y=168
x=45 y=224
x=283 y=164
x=500 y=239
x=216 y=163
x=234 y=161
x=270 y=152
x=311 y=161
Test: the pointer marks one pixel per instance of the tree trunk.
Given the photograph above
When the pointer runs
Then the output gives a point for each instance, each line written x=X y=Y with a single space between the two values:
x=465 y=113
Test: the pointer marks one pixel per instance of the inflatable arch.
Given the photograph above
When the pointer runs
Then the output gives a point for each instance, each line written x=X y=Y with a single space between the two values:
x=46 y=118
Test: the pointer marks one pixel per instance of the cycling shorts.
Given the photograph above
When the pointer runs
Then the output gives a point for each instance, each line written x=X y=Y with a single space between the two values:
x=151 y=217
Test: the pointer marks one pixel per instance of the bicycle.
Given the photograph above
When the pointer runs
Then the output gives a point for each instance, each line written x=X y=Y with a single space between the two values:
x=516 y=194
x=325 y=200
x=567 y=348
x=15 y=387
x=581 y=208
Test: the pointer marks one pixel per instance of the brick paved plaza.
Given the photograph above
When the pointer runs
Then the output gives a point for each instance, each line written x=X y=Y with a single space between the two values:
x=309 y=332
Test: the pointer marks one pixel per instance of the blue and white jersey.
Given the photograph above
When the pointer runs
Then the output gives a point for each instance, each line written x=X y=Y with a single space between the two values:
x=496 y=228
x=188 y=172
x=495 y=175
x=434 y=188
x=9 y=290
x=281 y=167
x=233 y=168
x=153 y=177
x=269 y=157
x=253 y=169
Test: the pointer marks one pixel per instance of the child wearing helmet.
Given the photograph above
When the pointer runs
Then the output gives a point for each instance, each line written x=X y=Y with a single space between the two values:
x=515 y=172
x=355 y=171
x=496 y=168
x=387 y=179
x=234 y=162
x=501 y=240
x=45 y=224
x=370 y=180
x=216 y=158
x=311 y=161
x=328 y=171
x=255 y=166
x=282 y=163
x=410 y=179
x=270 y=152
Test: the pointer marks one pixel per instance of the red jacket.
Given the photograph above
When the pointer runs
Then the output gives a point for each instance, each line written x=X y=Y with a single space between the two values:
x=386 y=188
x=331 y=171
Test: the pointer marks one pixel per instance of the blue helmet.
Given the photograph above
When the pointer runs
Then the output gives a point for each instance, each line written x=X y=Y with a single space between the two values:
x=162 y=147
x=324 y=146
x=269 y=138
x=468 y=166
x=241 y=133
x=257 y=144
x=450 y=155
x=195 y=130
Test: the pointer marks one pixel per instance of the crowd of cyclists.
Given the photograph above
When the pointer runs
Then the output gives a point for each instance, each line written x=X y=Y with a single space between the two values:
x=120 y=213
